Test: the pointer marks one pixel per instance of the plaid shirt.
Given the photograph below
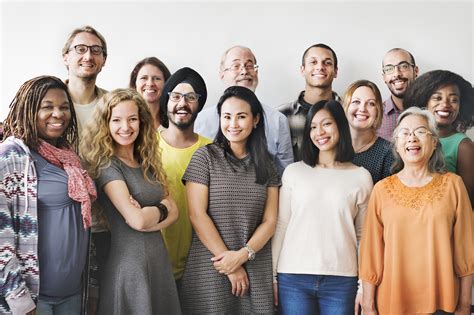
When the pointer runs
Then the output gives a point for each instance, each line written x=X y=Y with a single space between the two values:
x=296 y=114
x=389 y=120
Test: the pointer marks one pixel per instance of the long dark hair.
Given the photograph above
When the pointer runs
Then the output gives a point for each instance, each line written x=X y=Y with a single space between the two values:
x=21 y=120
x=344 y=149
x=257 y=142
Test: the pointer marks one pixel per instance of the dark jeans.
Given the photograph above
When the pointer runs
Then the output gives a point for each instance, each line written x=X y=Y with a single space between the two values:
x=316 y=294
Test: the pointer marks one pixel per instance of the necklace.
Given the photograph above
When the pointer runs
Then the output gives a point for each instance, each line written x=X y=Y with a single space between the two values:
x=367 y=145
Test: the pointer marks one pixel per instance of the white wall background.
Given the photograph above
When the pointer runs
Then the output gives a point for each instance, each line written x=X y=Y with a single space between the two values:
x=196 y=33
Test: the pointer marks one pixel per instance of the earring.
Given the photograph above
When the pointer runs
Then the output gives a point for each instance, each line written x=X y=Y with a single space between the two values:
x=255 y=126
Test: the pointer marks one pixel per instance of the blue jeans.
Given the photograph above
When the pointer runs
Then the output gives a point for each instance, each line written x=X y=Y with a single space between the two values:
x=315 y=294
x=67 y=306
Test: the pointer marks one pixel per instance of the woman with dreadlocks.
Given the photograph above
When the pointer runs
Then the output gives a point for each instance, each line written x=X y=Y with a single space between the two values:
x=45 y=203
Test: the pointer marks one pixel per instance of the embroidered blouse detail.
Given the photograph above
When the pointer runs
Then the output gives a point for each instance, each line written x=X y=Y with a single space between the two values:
x=415 y=197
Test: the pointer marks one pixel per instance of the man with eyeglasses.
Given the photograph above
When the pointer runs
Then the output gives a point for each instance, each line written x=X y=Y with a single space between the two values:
x=399 y=71
x=84 y=55
x=238 y=66
x=319 y=69
x=184 y=95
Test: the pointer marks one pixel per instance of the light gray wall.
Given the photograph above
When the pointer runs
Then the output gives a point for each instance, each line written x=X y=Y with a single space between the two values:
x=195 y=34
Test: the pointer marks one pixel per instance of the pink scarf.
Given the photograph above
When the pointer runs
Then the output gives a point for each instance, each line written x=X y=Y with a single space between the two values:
x=80 y=185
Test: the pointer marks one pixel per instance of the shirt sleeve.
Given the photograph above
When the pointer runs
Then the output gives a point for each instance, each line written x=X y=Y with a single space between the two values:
x=463 y=232
x=362 y=202
x=198 y=170
x=12 y=284
x=284 y=214
x=111 y=173
x=372 y=244
x=285 y=149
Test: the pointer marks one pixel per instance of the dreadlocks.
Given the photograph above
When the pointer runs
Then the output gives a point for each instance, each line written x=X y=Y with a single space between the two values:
x=21 y=120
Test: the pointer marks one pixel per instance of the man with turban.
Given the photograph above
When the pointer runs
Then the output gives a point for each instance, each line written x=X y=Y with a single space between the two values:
x=183 y=97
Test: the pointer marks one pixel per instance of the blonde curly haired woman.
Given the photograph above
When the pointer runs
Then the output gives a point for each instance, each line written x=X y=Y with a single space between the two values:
x=122 y=155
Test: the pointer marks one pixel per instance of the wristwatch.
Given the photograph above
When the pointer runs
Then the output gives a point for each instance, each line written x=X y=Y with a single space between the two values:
x=251 y=252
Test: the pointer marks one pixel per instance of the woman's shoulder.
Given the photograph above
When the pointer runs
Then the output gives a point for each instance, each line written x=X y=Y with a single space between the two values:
x=382 y=145
x=13 y=145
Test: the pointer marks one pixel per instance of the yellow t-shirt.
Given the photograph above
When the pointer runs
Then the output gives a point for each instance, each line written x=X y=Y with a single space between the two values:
x=178 y=236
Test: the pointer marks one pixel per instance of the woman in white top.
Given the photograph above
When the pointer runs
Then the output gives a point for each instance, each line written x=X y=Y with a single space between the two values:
x=323 y=199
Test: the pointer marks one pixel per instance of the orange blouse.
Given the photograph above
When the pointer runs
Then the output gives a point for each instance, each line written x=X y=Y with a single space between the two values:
x=417 y=242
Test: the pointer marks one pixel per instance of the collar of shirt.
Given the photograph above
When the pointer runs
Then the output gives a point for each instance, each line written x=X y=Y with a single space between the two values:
x=301 y=104
x=389 y=106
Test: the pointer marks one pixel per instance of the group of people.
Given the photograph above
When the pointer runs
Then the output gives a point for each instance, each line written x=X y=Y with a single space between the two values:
x=142 y=201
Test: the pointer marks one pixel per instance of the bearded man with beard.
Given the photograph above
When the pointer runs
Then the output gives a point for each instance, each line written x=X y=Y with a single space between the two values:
x=398 y=71
x=184 y=95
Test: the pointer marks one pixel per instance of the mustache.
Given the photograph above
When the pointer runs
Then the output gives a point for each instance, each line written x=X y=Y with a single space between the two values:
x=181 y=108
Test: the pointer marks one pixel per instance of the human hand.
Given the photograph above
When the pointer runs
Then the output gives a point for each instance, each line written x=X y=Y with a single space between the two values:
x=227 y=262
x=275 y=293
x=134 y=202
x=358 y=304
x=33 y=312
x=463 y=310
x=239 y=281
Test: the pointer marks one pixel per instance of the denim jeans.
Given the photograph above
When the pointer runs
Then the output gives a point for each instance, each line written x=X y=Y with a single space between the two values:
x=316 y=294
x=67 y=306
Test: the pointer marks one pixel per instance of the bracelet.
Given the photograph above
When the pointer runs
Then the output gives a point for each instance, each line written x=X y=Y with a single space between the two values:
x=163 y=212
x=251 y=252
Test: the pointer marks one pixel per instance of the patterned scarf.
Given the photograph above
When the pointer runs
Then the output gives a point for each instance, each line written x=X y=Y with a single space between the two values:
x=80 y=185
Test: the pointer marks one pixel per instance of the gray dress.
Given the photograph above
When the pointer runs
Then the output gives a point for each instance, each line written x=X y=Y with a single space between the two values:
x=236 y=205
x=137 y=277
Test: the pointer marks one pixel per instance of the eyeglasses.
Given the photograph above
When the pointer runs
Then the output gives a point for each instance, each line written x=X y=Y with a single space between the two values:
x=235 y=67
x=82 y=49
x=419 y=132
x=188 y=97
x=402 y=66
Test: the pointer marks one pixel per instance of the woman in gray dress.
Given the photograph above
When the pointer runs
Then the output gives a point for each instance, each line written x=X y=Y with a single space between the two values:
x=232 y=190
x=121 y=150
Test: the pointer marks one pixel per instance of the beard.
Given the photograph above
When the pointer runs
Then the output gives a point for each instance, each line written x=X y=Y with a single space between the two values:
x=182 y=125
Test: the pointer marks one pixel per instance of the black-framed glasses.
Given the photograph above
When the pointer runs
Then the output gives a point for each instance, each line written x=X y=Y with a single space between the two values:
x=188 y=97
x=81 y=49
x=235 y=67
x=419 y=132
x=402 y=66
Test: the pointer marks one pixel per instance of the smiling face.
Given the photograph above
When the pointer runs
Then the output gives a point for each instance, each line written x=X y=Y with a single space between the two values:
x=319 y=68
x=444 y=104
x=362 y=109
x=324 y=132
x=53 y=116
x=237 y=121
x=124 y=123
x=398 y=81
x=182 y=114
x=414 y=141
x=243 y=77
x=87 y=65
x=150 y=82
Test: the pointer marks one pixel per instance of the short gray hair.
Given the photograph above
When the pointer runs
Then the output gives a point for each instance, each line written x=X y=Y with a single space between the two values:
x=436 y=163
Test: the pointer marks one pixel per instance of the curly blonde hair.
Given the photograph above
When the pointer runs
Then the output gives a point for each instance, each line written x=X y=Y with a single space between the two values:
x=97 y=144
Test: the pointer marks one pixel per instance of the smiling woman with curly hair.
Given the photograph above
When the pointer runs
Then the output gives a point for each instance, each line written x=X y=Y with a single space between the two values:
x=121 y=150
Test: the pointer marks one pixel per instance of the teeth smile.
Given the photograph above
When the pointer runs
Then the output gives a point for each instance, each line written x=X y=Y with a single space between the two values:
x=443 y=113
x=322 y=141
